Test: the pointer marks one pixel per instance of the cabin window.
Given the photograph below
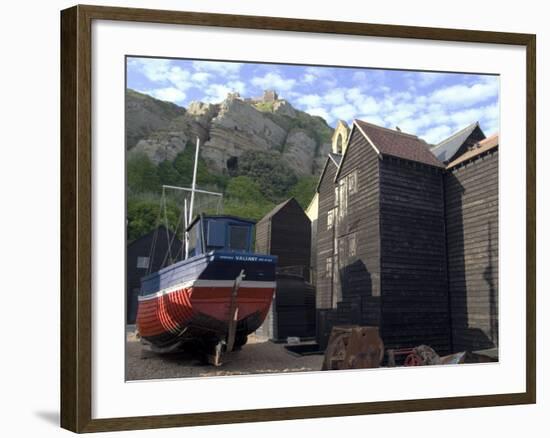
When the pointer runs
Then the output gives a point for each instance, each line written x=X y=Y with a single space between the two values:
x=238 y=238
x=192 y=243
x=216 y=234
x=142 y=262
x=336 y=195
x=330 y=219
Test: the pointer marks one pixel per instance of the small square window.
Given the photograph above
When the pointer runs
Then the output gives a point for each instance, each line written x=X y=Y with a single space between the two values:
x=142 y=262
x=352 y=182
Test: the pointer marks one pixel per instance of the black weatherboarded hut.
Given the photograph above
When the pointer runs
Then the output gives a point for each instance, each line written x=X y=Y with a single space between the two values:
x=144 y=255
x=471 y=202
x=286 y=232
x=381 y=240
x=409 y=244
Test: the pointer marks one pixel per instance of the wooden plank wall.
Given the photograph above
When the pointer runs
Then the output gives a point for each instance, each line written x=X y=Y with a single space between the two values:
x=263 y=237
x=141 y=247
x=313 y=256
x=325 y=238
x=472 y=241
x=360 y=274
x=415 y=307
x=358 y=289
x=291 y=237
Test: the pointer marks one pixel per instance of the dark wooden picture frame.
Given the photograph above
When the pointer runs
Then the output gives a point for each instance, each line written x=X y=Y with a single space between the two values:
x=76 y=217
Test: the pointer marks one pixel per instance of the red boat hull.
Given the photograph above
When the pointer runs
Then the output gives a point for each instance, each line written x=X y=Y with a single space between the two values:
x=191 y=312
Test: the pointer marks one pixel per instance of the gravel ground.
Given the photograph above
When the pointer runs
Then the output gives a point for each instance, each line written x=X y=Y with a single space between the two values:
x=256 y=357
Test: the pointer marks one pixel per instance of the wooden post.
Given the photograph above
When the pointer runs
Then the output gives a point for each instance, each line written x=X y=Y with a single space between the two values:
x=233 y=312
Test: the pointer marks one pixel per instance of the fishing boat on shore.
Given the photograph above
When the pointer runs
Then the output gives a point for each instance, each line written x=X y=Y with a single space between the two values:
x=216 y=295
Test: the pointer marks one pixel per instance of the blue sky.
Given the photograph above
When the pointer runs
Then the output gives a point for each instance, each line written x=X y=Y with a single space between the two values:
x=430 y=105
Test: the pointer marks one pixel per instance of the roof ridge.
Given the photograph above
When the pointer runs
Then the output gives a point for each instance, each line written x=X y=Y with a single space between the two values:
x=394 y=131
x=456 y=134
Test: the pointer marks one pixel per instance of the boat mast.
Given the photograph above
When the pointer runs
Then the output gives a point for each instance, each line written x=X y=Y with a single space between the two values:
x=185 y=234
x=194 y=185
x=188 y=207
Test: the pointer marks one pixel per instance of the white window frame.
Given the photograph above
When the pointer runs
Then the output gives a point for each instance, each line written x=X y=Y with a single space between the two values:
x=330 y=219
x=328 y=267
x=352 y=245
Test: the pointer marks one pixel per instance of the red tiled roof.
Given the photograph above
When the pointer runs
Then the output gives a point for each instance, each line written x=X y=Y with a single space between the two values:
x=398 y=144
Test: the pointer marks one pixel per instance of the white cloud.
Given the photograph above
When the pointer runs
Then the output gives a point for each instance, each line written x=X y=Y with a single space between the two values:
x=180 y=78
x=163 y=71
x=437 y=134
x=320 y=112
x=238 y=86
x=153 y=69
x=221 y=68
x=308 y=78
x=309 y=100
x=428 y=78
x=273 y=81
x=345 y=112
x=201 y=77
x=215 y=93
x=170 y=94
x=336 y=96
x=464 y=95
x=374 y=119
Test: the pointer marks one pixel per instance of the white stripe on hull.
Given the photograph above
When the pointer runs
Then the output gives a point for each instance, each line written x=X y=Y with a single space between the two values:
x=209 y=283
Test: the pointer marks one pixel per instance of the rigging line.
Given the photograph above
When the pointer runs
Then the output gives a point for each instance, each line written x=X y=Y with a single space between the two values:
x=167 y=227
x=171 y=242
x=154 y=242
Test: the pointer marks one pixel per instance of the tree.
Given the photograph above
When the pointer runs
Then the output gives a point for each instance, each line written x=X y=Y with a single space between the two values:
x=267 y=170
x=143 y=215
x=141 y=174
x=304 y=190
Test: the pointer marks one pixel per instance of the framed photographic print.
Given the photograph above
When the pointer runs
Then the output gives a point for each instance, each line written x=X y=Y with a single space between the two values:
x=268 y=218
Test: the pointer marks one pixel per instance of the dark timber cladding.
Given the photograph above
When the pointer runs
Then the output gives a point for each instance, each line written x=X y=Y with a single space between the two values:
x=414 y=298
x=348 y=265
x=413 y=264
x=286 y=232
x=471 y=192
x=146 y=254
x=381 y=240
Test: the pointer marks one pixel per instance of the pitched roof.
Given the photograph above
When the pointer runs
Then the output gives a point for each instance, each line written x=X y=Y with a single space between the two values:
x=276 y=209
x=336 y=159
x=397 y=144
x=478 y=149
x=445 y=150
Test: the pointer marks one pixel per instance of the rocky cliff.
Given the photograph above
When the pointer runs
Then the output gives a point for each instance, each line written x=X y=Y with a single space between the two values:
x=227 y=130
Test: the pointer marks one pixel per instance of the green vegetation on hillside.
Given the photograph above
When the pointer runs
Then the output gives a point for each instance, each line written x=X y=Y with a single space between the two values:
x=266 y=169
x=259 y=182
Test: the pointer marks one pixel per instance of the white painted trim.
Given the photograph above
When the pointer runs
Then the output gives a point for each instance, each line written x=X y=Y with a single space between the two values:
x=208 y=283
x=355 y=125
x=367 y=137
